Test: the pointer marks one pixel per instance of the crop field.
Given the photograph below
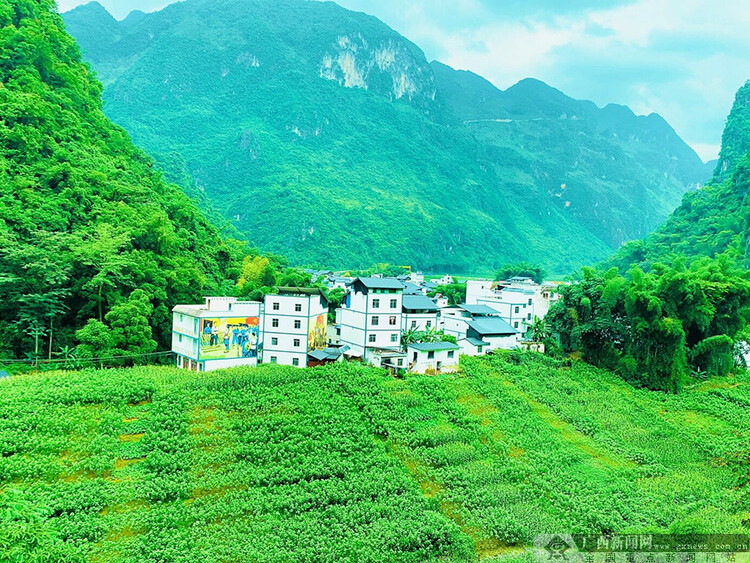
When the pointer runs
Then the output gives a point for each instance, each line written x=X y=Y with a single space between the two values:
x=344 y=463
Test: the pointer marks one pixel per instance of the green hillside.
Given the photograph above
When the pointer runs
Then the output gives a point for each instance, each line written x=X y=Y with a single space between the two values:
x=617 y=174
x=714 y=219
x=347 y=464
x=324 y=135
x=84 y=217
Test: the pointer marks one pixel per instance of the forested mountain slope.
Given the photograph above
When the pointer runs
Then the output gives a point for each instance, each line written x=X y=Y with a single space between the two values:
x=714 y=219
x=618 y=174
x=84 y=218
x=325 y=135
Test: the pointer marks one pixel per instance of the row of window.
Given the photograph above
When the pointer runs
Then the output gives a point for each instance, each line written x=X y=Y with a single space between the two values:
x=372 y=338
x=376 y=321
x=297 y=307
x=275 y=323
x=376 y=303
x=297 y=342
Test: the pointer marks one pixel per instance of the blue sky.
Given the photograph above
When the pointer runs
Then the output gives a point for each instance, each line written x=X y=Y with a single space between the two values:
x=683 y=59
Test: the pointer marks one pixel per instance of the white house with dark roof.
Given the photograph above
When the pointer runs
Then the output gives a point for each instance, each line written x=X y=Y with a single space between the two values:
x=419 y=313
x=371 y=317
x=454 y=320
x=497 y=333
x=433 y=357
x=295 y=324
x=473 y=346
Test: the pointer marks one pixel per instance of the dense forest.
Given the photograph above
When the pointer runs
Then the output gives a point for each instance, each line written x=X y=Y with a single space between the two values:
x=676 y=304
x=326 y=121
x=85 y=219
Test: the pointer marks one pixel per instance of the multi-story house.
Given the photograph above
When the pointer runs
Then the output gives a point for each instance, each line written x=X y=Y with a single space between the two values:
x=295 y=324
x=370 y=320
x=419 y=313
x=222 y=332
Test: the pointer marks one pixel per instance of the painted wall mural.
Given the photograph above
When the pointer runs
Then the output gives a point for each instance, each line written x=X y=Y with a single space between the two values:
x=230 y=338
x=316 y=338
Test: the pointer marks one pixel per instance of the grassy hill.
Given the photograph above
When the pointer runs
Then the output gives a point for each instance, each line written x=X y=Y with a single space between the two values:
x=345 y=463
x=326 y=136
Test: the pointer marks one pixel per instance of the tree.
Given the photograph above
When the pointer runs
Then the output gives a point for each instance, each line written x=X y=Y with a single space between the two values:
x=130 y=325
x=96 y=341
x=455 y=293
x=520 y=269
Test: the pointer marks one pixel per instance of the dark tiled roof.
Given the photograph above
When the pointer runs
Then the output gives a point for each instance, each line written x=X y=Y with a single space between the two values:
x=420 y=303
x=479 y=309
x=380 y=283
x=476 y=341
x=491 y=326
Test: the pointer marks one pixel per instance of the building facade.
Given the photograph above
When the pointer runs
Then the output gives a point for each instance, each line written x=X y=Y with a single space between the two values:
x=370 y=319
x=295 y=324
x=223 y=332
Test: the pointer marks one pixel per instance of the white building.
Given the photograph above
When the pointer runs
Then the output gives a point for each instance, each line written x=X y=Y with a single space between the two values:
x=295 y=324
x=223 y=332
x=370 y=319
x=419 y=313
x=473 y=346
x=455 y=320
x=433 y=357
x=497 y=333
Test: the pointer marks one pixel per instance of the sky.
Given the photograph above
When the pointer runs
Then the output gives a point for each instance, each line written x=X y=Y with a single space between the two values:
x=683 y=59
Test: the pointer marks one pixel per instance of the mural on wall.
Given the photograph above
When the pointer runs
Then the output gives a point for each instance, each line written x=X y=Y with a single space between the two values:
x=316 y=339
x=230 y=338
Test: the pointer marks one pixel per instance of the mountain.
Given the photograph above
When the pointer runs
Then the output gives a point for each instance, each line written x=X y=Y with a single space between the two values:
x=84 y=217
x=616 y=173
x=714 y=219
x=326 y=136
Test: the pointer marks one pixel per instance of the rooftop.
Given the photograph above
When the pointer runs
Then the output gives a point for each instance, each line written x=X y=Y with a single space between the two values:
x=380 y=283
x=302 y=291
x=475 y=341
x=433 y=346
x=479 y=310
x=419 y=302
x=491 y=326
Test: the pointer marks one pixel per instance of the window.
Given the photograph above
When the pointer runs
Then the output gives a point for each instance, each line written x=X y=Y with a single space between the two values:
x=181 y=318
x=518 y=309
x=515 y=324
x=296 y=342
x=451 y=354
x=394 y=337
x=295 y=362
x=274 y=360
x=400 y=362
x=528 y=317
x=230 y=307
x=394 y=303
x=392 y=321
x=298 y=324
x=298 y=307
x=275 y=323
x=429 y=324
x=414 y=324
x=375 y=321
x=430 y=355
x=179 y=338
x=530 y=301
x=372 y=339
x=274 y=342
x=479 y=349
x=376 y=303
x=276 y=306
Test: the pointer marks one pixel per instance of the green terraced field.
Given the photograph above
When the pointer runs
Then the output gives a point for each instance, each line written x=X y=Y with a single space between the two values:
x=345 y=463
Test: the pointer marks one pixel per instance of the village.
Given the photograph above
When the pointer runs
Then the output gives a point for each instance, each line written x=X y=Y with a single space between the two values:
x=388 y=322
